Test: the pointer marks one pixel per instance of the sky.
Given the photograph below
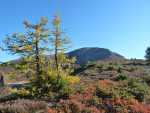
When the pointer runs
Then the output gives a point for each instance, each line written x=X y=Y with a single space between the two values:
x=123 y=26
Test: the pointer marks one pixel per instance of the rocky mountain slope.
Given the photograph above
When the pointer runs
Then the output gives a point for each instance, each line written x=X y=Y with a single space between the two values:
x=90 y=54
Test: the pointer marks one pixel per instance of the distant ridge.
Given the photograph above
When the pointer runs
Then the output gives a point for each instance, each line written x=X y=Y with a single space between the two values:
x=88 y=54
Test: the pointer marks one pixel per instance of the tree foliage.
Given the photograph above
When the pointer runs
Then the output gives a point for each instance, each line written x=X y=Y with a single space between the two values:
x=147 y=56
x=32 y=43
x=56 y=77
x=53 y=73
x=60 y=43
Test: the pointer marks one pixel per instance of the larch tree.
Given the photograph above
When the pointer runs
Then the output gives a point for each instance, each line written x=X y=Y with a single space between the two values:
x=31 y=43
x=60 y=43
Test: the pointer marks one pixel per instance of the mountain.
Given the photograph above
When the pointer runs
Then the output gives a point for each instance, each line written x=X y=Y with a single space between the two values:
x=86 y=54
x=90 y=54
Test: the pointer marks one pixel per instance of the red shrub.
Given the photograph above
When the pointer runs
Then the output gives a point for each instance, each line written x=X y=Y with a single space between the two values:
x=50 y=110
x=83 y=102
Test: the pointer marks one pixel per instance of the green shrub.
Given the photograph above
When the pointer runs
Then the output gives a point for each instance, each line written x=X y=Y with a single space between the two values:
x=132 y=69
x=100 y=66
x=110 y=67
x=93 y=101
x=65 y=91
x=129 y=88
x=119 y=70
x=146 y=78
x=138 y=88
x=7 y=94
x=103 y=93
x=108 y=89
x=8 y=97
x=121 y=77
x=47 y=86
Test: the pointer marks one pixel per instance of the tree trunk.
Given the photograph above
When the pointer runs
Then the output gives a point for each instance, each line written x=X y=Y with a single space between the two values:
x=37 y=57
x=1 y=80
x=56 y=55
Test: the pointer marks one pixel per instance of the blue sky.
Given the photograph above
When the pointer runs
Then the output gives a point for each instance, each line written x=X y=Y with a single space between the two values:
x=122 y=26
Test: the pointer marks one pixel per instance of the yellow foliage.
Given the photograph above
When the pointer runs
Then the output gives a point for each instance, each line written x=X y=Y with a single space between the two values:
x=28 y=47
x=57 y=21
x=21 y=91
x=71 y=79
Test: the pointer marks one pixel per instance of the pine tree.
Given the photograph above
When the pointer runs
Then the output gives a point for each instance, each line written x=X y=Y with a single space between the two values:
x=30 y=44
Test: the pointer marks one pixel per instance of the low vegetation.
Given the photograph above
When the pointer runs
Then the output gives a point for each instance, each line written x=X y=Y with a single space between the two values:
x=123 y=93
x=24 y=106
x=105 y=96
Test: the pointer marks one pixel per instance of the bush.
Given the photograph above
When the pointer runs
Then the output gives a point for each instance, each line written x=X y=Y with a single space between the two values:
x=5 y=91
x=102 y=93
x=100 y=66
x=110 y=89
x=71 y=106
x=132 y=69
x=107 y=89
x=146 y=78
x=13 y=94
x=47 y=86
x=64 y=91
x=71 y=79
x=88 y=102
x=121 y=77
x=94 y=101
x=9 y=97
x=138 y=88
x=130 y=88
x=23 y=106
x=110 y=67
x=119 y=70
x=6 y=94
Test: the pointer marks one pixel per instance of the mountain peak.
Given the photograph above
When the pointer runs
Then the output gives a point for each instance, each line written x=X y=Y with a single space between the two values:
x=89 y=54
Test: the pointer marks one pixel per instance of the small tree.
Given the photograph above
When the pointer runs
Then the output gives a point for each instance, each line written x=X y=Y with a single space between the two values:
x=31 y=43
x=147 y=56
x=60 y=43
x=55 y=79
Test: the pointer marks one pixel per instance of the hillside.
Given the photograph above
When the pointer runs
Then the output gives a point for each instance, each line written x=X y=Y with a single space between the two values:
x=111 y=69
x=90 y=54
